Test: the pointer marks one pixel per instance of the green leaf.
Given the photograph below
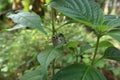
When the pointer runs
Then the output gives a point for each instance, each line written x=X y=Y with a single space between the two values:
x=33 y=75
x=115 y=34
x=112 y=53
x=85 y=47
x=47 y=1
x=73 y=44
x=109 y=17
x=27 y=19
x=111 y=22
x=85 y=11
x=103 y=44
x=47 y=56
x=78 y=72
x=18 y=26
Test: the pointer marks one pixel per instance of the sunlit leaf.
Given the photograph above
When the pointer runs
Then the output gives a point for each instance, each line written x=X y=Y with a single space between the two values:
x=18 y=26
x=47 y=1
x=73 y=44
x=27 y=19
x=79 y=72
x=112 y=53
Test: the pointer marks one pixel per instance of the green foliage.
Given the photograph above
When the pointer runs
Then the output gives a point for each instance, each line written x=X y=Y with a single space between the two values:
x=19 y=51
x=112 y=53
x=26 y=19
x=47 y=1
x=18 y=26
x=79 y=72
x=104 y=44
x=85 y=11
x=32 y=75
x=89 y=13
x=47 y=56
x=4 y=4
x=72 y=44
x=111 y=22
x=115 y=34
x=85 y=47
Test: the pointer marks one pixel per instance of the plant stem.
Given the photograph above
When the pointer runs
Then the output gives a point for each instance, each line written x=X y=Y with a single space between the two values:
x=53 y=67
x=53 y=21
x=53 y=31
x=77 y=59
x=77 y=56
x=96 y=48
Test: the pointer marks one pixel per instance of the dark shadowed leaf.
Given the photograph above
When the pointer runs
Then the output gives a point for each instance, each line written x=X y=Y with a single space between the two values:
x=112 y=53
x=85 y=11
x=27 y=19
x=79 y=72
